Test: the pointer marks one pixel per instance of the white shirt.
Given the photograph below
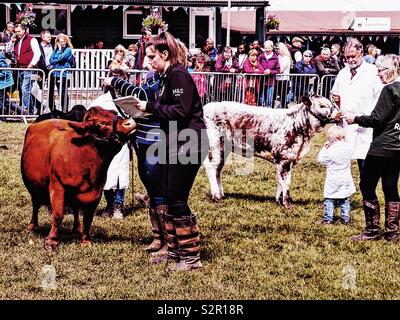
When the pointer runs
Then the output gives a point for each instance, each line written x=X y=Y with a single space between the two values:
x=358 y=96
x=48 y=50
x=337 y=159
x=284 y=62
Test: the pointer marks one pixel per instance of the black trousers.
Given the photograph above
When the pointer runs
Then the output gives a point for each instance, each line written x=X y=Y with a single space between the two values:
x=385 y=168
x=63 y=92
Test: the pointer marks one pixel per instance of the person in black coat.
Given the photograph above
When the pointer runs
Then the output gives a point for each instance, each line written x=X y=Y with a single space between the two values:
x=180 y=111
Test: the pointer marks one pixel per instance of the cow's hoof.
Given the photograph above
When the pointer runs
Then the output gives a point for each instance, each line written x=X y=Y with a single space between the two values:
x=86 y=243
x=33 y=227
x=51 y=245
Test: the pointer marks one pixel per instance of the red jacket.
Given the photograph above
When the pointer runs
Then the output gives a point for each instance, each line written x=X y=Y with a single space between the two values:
x=26 y=54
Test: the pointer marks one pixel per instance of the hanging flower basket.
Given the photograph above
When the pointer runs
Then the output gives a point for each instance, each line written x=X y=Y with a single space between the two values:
x=27 y=17
x=154 y=22
x=272 y=22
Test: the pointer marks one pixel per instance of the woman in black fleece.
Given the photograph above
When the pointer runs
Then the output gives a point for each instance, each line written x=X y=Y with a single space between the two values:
x=383 y=158
x=179 y=109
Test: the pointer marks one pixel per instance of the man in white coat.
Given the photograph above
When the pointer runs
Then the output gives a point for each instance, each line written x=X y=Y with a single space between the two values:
x=356 y=91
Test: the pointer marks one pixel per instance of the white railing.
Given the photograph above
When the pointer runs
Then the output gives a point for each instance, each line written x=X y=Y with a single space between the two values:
x=92 y=58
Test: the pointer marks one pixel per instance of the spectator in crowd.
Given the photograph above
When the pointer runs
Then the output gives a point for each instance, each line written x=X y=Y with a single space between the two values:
x=252 y=83
x=6 y=83
x=61 y=58
x=296 y=50
x=131 y=55
x=371 y=55
x=118 y=65
x=179 y=102
x=7 y=33
x=212 y=53
x=305 y=66
x=269 y=61
x=146 y=37
x=99 y=44
x=326 y=64
x=383 y=158
x=356 y=90
x=257 y=46
x=46 y=48
x=200 y=79
x=226 y=62
x=27 y=54
x=283 y=79
x=337 y=54
x=241 y=55
x=339 y=185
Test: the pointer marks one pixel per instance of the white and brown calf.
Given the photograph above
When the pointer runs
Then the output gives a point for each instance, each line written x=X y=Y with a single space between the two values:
x=281 y=136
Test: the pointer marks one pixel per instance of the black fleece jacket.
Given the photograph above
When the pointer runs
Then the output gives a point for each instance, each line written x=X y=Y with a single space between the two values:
x=385 y=119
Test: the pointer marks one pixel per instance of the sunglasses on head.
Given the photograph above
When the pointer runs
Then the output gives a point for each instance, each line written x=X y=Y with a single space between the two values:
x=307 y=56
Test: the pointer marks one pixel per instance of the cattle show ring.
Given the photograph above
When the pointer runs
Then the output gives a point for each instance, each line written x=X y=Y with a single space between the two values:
x=258 y=241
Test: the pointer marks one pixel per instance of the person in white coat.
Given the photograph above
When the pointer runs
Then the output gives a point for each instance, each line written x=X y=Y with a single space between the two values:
x=118 y=171
x=339 y=185
x=356 y=91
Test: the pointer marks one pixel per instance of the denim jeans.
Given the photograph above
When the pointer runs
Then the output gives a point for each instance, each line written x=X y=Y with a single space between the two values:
x=329 y=209
x=266 y=96
x=25 y=80
x=114 y=196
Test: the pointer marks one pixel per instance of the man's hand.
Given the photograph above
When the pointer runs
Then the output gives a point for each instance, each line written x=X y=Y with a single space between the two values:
x=141 y=105
x=30 y=66
x=350 y=118
x=106 y=81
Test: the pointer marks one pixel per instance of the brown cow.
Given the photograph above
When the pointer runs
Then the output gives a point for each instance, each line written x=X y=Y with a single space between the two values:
x=65 y=163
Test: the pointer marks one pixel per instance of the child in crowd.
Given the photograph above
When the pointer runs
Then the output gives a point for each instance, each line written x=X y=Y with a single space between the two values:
x=336 y=156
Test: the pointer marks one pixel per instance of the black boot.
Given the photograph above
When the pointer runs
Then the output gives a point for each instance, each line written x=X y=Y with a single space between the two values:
x=372 y=216
x=188 y=236
x=392 y=221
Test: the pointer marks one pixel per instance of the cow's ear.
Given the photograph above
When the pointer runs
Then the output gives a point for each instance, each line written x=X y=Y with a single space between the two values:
x=306 y=101
x=79 y=127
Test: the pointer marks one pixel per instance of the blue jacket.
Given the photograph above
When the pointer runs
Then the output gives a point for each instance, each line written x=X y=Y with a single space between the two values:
x=61 y=59
x=6 y=78
x=303 y=68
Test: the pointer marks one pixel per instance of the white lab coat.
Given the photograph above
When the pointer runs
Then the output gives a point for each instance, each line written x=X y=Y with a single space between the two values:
x=338 y=182
x=119 y=166
x=358 y=96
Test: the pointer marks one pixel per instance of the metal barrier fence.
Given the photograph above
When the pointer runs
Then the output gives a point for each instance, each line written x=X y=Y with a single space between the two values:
x=21 y=93
x=65 y=88
x=326 y=85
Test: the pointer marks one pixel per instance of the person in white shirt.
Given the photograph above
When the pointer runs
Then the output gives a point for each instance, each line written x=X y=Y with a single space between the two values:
x=356 y=90
x=339 y=185
x=47 y=47
x=283 y=79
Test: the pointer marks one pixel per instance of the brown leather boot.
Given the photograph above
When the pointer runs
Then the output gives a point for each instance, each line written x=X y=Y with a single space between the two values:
x=188 y=236
x=392 y=221
x=158 y=233
x=372 y=216
x=172 y=243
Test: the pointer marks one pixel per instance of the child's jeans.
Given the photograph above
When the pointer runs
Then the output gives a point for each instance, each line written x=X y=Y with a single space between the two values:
x=329 y=209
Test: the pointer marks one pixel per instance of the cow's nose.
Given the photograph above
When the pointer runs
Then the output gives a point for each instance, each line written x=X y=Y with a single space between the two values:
x=130 y=123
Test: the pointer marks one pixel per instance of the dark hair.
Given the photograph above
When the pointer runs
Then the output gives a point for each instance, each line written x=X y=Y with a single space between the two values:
x=166 y=42
x=43 y=32
x=21 y=26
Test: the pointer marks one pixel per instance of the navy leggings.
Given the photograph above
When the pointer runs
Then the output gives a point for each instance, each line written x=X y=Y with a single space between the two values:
x=386 y=168
x=151 y=174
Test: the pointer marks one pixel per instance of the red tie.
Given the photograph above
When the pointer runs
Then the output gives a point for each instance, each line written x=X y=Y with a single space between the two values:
x=353 y=73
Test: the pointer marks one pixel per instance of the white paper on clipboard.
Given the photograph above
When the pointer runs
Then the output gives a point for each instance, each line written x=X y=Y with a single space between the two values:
x=127 y=104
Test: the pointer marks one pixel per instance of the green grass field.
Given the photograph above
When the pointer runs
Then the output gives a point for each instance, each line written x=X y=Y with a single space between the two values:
x=251 y=247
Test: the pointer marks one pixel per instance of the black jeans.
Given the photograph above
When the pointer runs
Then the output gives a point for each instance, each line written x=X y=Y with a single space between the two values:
x=63 y=92
x=386 y=168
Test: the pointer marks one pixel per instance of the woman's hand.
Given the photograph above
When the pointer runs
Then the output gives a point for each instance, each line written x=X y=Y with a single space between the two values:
x=350 y=118
x=141 y=105
x=106 y=81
